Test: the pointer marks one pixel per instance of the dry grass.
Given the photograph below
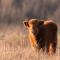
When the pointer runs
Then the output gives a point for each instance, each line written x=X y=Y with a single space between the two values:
x=14 y=45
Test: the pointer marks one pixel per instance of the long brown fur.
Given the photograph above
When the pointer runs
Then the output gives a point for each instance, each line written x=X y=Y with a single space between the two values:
x=42 y=34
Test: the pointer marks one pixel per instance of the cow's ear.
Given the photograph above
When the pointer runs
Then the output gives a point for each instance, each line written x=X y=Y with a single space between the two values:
x=26 y=23
x=41 y=22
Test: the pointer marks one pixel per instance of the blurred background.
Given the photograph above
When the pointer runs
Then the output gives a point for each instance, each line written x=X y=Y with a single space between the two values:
x=15 y=11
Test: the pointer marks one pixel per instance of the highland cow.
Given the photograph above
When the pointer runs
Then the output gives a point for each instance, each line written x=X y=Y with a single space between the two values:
x=42 y=34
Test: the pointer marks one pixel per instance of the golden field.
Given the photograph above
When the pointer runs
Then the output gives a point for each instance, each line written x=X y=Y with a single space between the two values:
x=14 y=45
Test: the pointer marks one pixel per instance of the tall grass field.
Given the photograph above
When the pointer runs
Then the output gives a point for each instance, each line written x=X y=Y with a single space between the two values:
x=15 y=45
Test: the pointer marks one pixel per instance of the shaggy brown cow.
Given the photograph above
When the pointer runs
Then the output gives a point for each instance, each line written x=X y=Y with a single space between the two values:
x=42 y=34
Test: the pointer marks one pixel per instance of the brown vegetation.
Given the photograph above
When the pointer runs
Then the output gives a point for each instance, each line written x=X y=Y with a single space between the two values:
x=14 y=45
